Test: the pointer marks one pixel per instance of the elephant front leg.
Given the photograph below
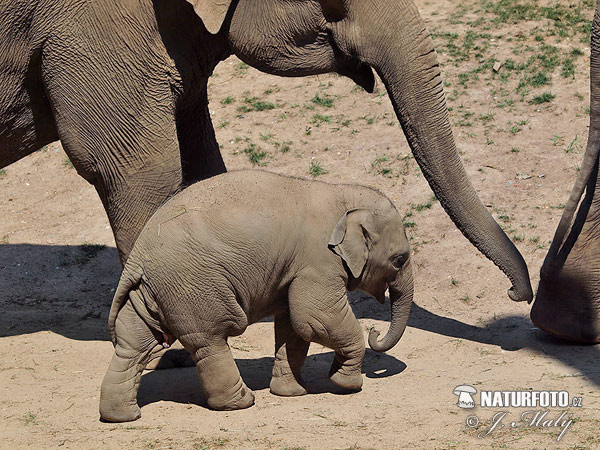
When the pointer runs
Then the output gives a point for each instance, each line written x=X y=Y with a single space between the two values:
x=290 y=353
x=321 y=315
x=135 y=344
x=219 y=375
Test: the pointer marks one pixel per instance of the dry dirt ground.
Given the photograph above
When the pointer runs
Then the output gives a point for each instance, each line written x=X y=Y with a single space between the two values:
x=521 y=131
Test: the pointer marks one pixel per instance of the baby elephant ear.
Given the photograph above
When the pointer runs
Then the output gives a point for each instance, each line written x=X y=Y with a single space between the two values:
x=212 y=12
x=349 y=239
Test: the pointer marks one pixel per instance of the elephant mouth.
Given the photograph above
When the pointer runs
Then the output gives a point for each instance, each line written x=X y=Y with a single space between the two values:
x=380 y=296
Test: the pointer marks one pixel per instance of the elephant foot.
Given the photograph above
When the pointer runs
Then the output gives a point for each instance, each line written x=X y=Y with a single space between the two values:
x=566 y=307
x=287 y=386
x=170 y=358
x=347 y=377
x=243 y=398
x=119 y=413
x=352 y=382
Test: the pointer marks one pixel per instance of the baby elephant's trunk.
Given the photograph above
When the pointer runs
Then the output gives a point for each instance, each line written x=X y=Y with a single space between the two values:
x=401 y=297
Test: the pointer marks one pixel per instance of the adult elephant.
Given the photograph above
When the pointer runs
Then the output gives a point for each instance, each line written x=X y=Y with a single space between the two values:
x=568 y=299
x=123 y=85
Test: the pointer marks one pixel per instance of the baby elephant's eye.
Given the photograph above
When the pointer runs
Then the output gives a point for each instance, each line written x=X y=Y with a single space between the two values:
x=398 y=261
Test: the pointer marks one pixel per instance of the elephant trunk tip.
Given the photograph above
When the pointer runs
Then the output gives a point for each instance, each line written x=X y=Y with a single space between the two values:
x=374 y=341
x=521 y=295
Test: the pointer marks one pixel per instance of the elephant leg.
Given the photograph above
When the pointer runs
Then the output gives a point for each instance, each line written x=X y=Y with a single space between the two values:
x=567 y=302
x=323 y=316
x=290 y=353
x=219 y=375
x=135 y=343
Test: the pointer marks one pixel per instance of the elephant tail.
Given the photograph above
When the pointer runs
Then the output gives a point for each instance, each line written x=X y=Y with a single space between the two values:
x=130 y=278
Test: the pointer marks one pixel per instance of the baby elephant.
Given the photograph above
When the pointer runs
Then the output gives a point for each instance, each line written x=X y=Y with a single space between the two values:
x=233 y=249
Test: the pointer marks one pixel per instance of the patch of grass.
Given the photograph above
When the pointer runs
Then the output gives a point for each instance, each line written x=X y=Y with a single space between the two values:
x=568 y=68
x=266 y=136
x=574 y=146
x=223 y=124
x=558 y=140
x=539 y=79
x=369 y=119
x=576 y=52
x=255 y=104
x=323 y=100
x=67 y=163
x=546 y=97
x=285 y=146
x=379 y=166
x=241 y=68
x=255 y=154
x=316 y=169
x=272 y=89
x=485 y=118
x=29 y=419
x=228 y=100
x=421 y=206
x=2 y=172
x=518 y=237
x=206 y=444
x=319 y=119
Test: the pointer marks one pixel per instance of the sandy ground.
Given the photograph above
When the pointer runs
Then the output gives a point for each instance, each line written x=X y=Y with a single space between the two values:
x=59 y=267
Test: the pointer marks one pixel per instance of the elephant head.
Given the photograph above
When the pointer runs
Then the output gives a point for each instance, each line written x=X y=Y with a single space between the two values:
x=356 y=38
x=376 y=254
x=568 y=299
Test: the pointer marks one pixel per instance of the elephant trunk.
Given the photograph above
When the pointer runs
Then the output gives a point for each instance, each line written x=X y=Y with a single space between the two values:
x=590 y=159
x=401 y=297
x=402 y=53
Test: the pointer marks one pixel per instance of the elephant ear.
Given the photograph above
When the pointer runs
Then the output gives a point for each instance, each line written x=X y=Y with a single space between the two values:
x=212 y=12
x=350 y=239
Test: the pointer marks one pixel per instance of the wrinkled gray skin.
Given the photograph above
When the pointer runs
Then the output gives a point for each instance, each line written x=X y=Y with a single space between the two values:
x=123 y=85
x=229 y=251
x=567 y=303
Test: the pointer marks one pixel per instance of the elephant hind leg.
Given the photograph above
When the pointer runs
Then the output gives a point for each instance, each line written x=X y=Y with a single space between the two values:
x=290 y=353
x=220 y=378
x=135 y=344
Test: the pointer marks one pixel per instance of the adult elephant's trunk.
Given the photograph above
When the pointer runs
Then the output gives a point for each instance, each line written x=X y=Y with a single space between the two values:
x=401 y=297
x=401 y=51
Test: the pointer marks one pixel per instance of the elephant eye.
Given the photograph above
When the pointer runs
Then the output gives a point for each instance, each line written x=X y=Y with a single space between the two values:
x=398 y=261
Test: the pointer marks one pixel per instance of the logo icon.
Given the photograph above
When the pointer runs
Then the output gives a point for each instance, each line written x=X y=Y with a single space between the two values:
x=465 y=396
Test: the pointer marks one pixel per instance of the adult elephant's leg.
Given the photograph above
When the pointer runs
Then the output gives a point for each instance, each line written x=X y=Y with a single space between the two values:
x=135 y=342
x=116 y=121
x=290 y=353
x=567 y=303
